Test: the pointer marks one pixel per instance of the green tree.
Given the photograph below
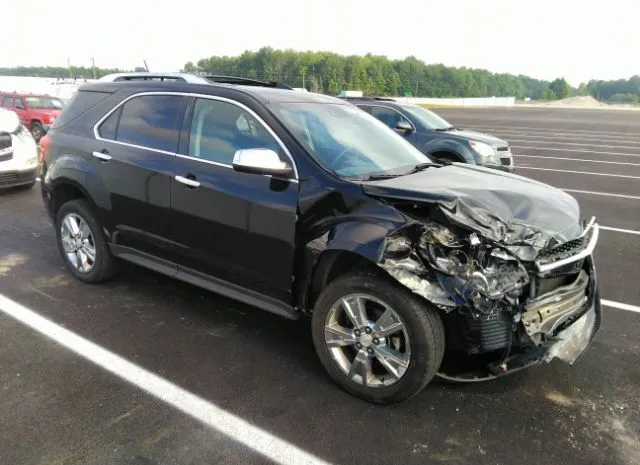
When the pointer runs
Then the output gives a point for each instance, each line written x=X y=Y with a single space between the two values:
x=548 y=94
x=560 y=88
x=582 y=89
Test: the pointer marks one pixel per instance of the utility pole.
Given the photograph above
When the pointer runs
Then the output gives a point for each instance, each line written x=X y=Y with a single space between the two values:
x=145 y=65
x=93 y=65
x=69 y=66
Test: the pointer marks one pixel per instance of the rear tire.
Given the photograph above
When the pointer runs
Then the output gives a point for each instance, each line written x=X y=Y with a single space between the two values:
x=82 y=243
x=359 y=360
x=37 y=131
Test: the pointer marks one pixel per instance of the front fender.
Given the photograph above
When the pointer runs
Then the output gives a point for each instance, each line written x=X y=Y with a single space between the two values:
x=442 y=144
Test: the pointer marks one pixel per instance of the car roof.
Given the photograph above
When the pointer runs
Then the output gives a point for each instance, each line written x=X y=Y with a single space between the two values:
x=265 y=95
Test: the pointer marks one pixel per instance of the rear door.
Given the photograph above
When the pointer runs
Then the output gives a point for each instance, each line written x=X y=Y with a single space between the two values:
x=234 y=226
x=132 y=159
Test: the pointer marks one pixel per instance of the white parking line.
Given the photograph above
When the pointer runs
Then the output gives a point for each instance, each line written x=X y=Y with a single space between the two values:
x=576 y=159
x=580 y=172
x=573 y=150
x=620 y=230
x=620 y=306
x=546 y=130
x=232 y=426
x=603 y=194
x=563 y=135
x=555 y=142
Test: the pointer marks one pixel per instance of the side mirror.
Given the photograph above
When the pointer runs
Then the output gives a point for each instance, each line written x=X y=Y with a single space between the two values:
x=9 y=121
x=404 y=126
x=261 y=161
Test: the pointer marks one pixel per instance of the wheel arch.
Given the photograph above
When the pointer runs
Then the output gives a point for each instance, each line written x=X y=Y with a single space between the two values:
x=450 y=147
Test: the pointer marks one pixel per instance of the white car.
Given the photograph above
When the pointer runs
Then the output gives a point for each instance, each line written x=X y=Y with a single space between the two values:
x=18 y=152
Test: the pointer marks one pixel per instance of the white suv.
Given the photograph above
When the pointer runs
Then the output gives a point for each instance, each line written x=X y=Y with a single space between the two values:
x=18 y=152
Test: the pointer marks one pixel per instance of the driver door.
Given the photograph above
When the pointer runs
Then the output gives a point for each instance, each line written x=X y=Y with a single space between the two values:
x=238 y=227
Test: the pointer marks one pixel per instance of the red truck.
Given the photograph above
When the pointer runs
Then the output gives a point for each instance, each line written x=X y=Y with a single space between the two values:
x=36 y=112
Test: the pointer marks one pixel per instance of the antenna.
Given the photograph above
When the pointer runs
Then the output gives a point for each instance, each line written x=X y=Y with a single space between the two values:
x=145 y=65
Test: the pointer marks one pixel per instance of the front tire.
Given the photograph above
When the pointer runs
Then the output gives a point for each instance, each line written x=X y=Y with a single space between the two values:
x=376 y=339
x=82 y=243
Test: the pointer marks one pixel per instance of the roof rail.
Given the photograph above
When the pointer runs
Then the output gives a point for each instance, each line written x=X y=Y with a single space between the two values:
x=148 y=76
x=384 y=99
x=218 y=78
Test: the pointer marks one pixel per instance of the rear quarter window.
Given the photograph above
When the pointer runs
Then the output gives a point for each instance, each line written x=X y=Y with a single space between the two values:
x=80 y=103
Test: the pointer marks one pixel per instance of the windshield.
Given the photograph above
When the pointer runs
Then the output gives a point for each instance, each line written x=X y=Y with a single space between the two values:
x=44 y=103
x=428 y=118
x=348 y=141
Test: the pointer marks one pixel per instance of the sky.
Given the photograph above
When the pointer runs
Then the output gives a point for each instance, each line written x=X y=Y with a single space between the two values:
x=543 y=39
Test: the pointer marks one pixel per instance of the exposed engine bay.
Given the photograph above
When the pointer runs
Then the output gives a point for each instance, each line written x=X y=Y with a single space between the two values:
x=509 y=292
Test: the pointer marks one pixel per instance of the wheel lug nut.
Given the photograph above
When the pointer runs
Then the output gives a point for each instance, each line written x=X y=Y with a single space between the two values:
x=370 y=350
x=357 y=332
x=367 y=330
x=358 y=345
x=376 y=341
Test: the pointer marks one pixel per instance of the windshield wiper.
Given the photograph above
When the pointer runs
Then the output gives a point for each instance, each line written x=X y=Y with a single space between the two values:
x=421 y=167
x=450 y=128
x=375 y=177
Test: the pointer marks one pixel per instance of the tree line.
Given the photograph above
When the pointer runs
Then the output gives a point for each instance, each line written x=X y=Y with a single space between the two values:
x=330 y=73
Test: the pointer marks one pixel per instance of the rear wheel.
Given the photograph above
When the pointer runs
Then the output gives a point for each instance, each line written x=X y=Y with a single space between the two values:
x=82 y=244
x=37 y=131
x=376 y=339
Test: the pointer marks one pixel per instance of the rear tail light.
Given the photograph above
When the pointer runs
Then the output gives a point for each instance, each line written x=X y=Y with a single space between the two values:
x=44 y=146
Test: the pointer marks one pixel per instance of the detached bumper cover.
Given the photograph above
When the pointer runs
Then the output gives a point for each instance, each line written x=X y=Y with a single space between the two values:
x=575 y=339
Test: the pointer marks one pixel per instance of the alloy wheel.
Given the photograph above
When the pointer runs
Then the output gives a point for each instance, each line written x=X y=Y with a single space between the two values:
x=368 y=340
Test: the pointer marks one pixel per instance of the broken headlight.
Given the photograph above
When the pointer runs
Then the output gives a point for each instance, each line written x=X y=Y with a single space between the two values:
x=471 y=267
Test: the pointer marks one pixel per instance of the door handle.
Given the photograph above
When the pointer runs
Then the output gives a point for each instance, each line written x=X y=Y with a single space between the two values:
x=102 y=156
x=187 y=181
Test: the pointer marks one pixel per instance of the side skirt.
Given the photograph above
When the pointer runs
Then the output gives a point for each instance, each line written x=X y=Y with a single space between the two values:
x=210 y=283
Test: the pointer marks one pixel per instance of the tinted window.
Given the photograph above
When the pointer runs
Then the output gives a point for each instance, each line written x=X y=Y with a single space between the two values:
x=18 y=103
x=366 y=108
x=388 y=116
x=151 y=121
x=218 y=129
x=8 y=102
x=108 y=128
x=80 y=103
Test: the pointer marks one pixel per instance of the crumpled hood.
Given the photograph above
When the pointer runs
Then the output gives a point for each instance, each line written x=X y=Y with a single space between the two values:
x=478 y=136
x=516 y=211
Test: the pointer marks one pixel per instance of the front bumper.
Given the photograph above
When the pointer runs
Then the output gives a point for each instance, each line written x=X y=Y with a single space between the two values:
x=17 y=178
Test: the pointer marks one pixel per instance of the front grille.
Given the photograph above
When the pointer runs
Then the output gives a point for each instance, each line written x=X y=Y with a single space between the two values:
x=8 y=176
x=489 y=333
x=565 y=250
x=503 y=149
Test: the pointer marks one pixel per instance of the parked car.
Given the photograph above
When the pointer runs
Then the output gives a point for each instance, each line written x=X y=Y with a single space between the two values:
x=301 y=204
x=36 y=112
x=435 y=136
x=18 y=153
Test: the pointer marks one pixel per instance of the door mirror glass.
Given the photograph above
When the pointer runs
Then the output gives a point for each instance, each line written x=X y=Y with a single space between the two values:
x=9 y=121
x=404 y=125
x=260 y=161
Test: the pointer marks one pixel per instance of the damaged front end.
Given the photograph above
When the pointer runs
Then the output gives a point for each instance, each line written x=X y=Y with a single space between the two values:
x=512 y=295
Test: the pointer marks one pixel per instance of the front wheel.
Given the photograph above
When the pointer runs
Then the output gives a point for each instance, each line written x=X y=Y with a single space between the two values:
x=376 y=339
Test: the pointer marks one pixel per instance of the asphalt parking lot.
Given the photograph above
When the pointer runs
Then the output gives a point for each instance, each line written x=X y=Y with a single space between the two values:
x=56 y=407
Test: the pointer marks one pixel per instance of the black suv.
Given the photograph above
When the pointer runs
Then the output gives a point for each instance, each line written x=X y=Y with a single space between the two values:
x=435 y=136
x=301 y=204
